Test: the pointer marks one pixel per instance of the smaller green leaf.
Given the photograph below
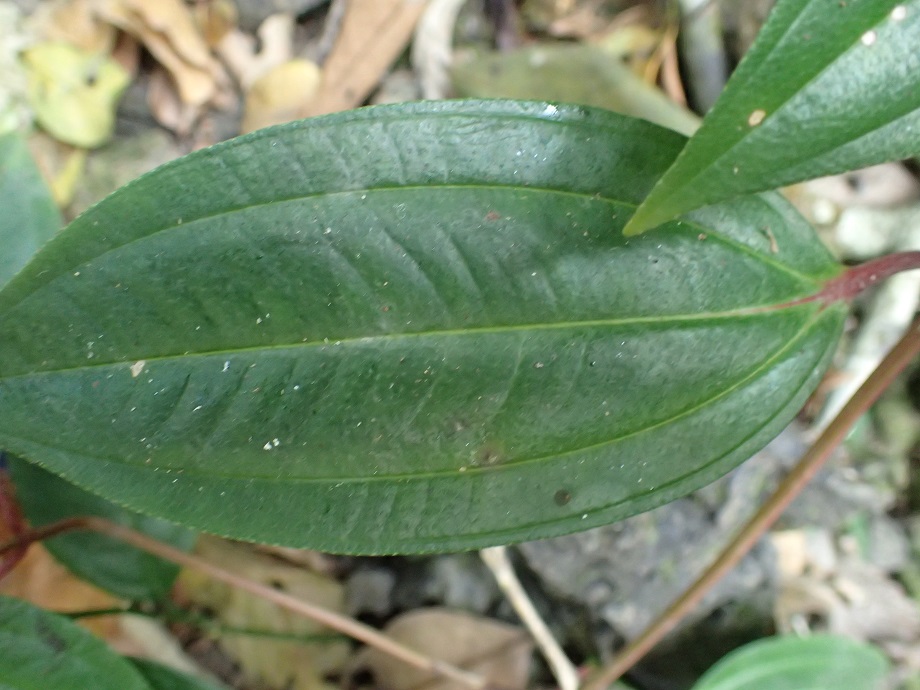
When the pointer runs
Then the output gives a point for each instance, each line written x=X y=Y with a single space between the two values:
x=164 y=678
x=795 y=663
x=41 y=650
x=107 y=563
x=827 y=87
x=29 y=216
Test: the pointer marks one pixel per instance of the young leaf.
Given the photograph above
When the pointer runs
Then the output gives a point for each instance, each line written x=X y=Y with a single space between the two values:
x=41 y=650
x=106 y=562
x=811 y=663
x=29 y=216
x=411 y=328
x=827 y=87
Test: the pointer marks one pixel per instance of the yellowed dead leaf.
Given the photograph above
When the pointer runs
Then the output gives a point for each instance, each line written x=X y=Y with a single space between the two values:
x=74 y=93
x=280 y=95
x=168 y=31
x=41 y=580
x=501 y=653
x=295 y=665
x=373 y=34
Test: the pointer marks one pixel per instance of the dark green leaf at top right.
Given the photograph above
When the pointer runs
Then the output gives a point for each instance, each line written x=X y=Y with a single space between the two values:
x=829 y=86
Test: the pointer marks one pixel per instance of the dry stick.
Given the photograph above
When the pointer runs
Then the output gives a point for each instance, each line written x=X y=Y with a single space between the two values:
x=889 y=368
x=342 y=624
x=496 y=558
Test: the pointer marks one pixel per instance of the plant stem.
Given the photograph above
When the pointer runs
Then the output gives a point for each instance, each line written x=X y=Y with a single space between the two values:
x=890 y=367
x=335 y=621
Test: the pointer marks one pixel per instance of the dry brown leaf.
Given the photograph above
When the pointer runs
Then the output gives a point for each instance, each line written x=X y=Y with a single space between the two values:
x=41 y=580
x=166 y=106
x=215 y=19
x=501 y=653
x=295 y=665
x=74 y=22
x=373 y=35
x=168 y=31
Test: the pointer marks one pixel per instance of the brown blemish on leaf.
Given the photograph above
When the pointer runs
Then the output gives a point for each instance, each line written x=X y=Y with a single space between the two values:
x=562 y=497
x=489 y=454
x=774 y=245
x=493 y=215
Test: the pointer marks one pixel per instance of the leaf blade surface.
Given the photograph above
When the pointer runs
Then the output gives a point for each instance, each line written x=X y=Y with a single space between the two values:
x=349 y=344
x=39 y=649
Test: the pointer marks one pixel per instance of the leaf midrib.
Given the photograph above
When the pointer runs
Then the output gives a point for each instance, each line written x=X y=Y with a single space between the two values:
x=665 y=319
x=753 y=374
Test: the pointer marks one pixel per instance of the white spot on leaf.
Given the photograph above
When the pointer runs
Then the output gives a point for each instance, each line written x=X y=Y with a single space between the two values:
x=868 y=38
x=756 y=117
x=137 y=368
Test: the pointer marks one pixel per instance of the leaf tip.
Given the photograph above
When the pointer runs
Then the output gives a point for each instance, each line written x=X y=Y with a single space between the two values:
x=639 y=223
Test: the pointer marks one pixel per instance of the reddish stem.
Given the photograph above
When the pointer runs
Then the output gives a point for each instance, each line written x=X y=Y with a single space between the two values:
x=11 y=515
x=858 y=278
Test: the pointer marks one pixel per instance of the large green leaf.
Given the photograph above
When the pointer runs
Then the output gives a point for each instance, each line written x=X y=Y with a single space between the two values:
x=104 y=561
x=41 y=650
x=411 y=328
x=29 y=217
x=827 y=87
x=822 y=662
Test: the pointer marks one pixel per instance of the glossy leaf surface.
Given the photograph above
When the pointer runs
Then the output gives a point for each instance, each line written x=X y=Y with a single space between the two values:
x=822 y=662
x=827 y=87
x=29 y=216
x=106 y=562
x=411 y=328
x=41 y=650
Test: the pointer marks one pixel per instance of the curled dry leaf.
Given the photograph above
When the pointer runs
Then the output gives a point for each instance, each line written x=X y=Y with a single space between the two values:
x=372 y=37
x=168 y=31
x=501 y=653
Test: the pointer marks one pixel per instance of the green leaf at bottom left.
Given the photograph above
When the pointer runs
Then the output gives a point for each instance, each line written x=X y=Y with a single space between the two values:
x=105 y=562
x=41 y=650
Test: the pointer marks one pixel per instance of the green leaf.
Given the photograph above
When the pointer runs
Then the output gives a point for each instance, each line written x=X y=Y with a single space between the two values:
x=29 y=216
x=795 y=663
x=161 y=677
x=827 y=87
x=41 y=650
x=106 y=562
x=411 y=328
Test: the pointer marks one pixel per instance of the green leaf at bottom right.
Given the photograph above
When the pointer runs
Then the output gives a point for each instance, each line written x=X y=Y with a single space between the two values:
x=822 y=662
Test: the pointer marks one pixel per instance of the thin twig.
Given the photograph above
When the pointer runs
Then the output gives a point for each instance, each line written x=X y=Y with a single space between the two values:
x=335 y=621
x=890 y=367
x=565 y=673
